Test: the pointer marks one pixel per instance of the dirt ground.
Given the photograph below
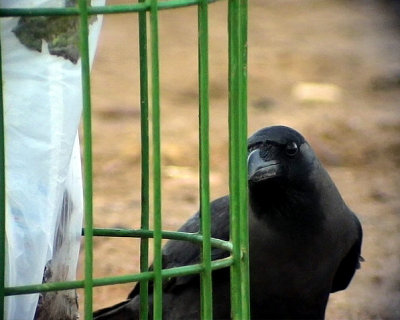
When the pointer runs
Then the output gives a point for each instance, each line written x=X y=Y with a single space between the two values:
x=326 y=68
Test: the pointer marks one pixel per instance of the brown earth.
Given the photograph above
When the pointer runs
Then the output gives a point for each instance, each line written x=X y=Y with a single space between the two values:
x=353 y=123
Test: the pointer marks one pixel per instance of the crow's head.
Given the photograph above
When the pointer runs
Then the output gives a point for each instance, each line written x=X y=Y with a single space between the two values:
x=279 y=153
x=282 y=170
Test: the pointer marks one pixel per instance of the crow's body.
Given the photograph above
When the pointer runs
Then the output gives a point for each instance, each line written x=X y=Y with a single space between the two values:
x=304 y=241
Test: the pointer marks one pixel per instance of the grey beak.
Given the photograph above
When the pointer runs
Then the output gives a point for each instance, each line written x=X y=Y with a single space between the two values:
x=259 y=169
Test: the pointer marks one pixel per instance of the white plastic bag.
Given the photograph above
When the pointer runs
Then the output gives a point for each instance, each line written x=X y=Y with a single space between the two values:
x=43 y=104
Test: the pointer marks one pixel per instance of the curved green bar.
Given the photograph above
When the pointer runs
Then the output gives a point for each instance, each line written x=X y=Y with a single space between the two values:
x=174 y=235
x=97 y=282
x=112 y=9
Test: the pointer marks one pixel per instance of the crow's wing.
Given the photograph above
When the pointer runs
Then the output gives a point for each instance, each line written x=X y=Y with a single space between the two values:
x=350 y=263
x=178 y=253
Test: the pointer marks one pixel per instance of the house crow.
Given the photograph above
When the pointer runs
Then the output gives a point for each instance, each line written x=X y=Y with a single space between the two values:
x=304 y=241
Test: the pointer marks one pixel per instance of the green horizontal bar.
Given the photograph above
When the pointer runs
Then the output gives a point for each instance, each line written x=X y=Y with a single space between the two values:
x=174 y=235
x=20 y=12
x=68 y=285
x=44 y=287
x=112 y=9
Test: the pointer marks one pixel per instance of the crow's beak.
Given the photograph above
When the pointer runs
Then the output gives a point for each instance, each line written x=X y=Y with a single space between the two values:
x=259 y=169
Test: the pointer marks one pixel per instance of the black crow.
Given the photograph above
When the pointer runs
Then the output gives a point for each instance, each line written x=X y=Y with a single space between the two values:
x=304 y=241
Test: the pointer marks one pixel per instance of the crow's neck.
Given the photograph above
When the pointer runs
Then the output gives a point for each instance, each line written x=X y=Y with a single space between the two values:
x=287 y=208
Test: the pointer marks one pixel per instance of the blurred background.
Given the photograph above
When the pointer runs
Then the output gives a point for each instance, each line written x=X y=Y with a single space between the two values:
x=330 y=69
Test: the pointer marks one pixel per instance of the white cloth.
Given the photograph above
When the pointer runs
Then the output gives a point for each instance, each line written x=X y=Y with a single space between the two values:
x=43 y=105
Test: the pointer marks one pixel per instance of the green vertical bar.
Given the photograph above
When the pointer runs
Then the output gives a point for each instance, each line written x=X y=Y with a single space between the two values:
x=242 y=158
x=237 y=25
x=87 y=138
x=206 y=279
x=2 y=196
x=157 y=302
x=233 y=168
x=144 y=107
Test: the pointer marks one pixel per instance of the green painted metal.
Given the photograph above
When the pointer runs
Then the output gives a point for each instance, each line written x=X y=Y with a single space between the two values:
x=97 y=282
x=237 y=26
x=157 y=218
x=2 y=196
x=106 y=281
x=139 y=233
x=145 y=164
x=204 y=148
x=184 y=236
x=110 y=9
x=149 y=75
x=87 y=157
x=205 y=214
x=233 y=167
x=243 y=186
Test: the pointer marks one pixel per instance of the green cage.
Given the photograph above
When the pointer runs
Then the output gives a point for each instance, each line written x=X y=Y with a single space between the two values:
x=148 y=10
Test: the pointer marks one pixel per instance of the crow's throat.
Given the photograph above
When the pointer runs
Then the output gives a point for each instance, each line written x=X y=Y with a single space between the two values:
x=287 y=207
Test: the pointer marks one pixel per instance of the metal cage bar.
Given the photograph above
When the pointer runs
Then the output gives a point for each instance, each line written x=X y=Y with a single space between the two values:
x=2 y=195
x=205 y=214
x=109 y=9
x=238 y=261
x=237 y=20
x=243 y=187
x=184 y=236
x=87 y=157
x=156 y=135
x=145 y=163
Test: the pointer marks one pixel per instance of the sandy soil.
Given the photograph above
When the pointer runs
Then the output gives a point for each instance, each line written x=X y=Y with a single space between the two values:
x=353 y=47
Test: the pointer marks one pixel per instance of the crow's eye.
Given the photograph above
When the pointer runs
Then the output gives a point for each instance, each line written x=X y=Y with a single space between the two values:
x=292 y=149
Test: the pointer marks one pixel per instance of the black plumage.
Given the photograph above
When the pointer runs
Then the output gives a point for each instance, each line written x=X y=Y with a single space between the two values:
x=304 y=241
